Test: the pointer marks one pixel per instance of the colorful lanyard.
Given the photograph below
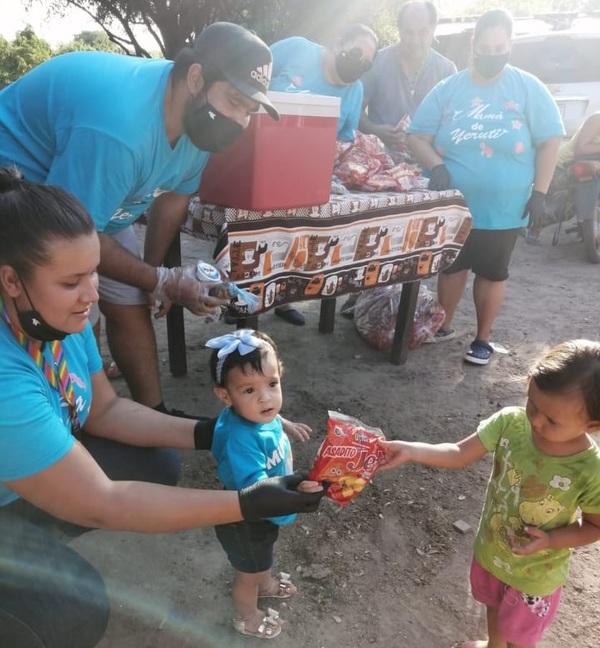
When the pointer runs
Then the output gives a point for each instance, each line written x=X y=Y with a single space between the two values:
x=57 y=375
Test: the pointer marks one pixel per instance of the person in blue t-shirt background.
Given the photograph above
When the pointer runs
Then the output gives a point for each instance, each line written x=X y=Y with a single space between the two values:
x=125 y=135
x=301 y=65
x=249 y=446
x=491 y=131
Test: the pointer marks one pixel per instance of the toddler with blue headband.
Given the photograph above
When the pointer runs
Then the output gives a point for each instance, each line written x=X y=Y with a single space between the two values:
x=249 y=445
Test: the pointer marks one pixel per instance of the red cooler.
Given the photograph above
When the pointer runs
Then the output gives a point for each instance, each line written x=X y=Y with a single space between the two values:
x=278 y=164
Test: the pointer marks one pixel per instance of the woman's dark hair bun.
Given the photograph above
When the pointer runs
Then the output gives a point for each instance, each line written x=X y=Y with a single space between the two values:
x=10 y=179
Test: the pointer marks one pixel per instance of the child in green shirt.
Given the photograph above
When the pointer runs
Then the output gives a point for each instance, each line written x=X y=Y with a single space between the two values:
x=546 y=470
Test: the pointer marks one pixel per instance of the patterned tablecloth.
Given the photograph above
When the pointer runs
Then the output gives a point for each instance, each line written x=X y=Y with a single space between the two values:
x=355 y=241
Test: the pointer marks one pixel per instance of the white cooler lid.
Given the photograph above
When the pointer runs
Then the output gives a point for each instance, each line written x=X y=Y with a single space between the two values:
x=304 y=104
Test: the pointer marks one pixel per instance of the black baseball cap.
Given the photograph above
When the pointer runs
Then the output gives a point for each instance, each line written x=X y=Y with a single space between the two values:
x=241 y=57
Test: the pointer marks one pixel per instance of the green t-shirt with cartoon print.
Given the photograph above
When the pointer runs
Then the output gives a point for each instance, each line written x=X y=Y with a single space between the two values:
x=529 y=487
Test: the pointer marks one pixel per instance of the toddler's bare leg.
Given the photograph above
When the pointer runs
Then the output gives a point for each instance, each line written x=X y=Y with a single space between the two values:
x=245 y=597
x=276 y=586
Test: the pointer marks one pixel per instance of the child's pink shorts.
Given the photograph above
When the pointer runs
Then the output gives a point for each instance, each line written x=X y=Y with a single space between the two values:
x=522 y=619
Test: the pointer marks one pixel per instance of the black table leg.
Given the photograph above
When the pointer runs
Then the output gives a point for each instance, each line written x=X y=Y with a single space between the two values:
x=175 y=324
x=327 y=315
x=404 y=321
x=248 y=322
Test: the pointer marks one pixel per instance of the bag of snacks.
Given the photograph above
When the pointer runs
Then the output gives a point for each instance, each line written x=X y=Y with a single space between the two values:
x=348 y=457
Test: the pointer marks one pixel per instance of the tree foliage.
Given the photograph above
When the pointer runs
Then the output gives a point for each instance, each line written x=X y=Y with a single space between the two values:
x=28 y=50
x=89 y=40
x=172 y=24
x=24 y=53
x=175 y=23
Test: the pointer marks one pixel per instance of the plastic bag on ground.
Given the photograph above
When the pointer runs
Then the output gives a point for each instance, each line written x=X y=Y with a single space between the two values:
x=376 y=311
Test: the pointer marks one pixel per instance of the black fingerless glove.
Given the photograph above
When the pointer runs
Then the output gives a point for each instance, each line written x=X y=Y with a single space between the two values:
x=277 y=496
x=204 y=431
x=439 y=178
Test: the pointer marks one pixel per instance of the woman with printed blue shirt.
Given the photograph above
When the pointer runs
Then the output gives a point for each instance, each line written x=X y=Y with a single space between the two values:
x=491 y=131
x=73 y=455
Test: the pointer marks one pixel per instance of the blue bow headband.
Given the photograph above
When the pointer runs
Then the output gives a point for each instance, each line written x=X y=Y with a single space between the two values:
x=243 y=341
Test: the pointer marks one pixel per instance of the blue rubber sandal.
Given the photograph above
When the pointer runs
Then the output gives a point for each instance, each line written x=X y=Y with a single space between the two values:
x=479 y=353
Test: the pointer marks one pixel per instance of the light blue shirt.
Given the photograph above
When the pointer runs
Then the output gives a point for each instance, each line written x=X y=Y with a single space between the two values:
x=35 y=430
x=247 y=452
x=298 y=67
x=93 y=124
x=487 y=136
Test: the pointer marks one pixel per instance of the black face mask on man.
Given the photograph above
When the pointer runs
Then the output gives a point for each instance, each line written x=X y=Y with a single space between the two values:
x=207 y=128
x=34 y=325
x=490 y=65
x=350 y=65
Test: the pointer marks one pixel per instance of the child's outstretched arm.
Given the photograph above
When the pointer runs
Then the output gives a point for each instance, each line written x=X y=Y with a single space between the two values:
x=438 y=455
x=295 y=431
x=580 y=533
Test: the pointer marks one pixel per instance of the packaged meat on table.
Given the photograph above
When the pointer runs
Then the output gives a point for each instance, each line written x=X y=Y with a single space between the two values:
x=365 y=166
x=348 y=457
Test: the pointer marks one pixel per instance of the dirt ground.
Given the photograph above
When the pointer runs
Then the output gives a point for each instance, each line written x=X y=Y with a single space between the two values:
x=389 y=569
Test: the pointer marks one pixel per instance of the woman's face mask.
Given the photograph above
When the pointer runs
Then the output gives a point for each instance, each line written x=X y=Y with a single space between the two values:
x=34 y=325
x=207 y=128
x=351 y=64
x=490 y=65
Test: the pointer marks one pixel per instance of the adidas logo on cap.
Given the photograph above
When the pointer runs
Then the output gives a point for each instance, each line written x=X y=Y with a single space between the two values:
x=262 y=74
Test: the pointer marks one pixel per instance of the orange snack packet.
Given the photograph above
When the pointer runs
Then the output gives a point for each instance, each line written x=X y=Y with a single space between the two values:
x=348 y=457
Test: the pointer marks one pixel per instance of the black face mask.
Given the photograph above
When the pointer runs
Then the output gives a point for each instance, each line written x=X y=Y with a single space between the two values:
x=351 y=65
x=208 y=129
x=34 y=325
x=490 y=65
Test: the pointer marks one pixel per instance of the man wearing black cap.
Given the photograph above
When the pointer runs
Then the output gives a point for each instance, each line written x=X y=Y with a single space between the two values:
x=124 y=135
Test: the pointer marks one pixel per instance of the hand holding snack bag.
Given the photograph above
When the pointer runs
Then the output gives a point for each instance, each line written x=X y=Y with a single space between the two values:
x=348 y=457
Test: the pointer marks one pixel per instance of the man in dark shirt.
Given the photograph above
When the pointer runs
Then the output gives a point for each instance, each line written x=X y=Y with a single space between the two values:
x=401 y=76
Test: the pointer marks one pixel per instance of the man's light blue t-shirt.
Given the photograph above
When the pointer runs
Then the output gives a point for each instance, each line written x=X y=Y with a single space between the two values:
x=487 y=136
x=298 y=67
x=93 y=124
x=35 y=431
